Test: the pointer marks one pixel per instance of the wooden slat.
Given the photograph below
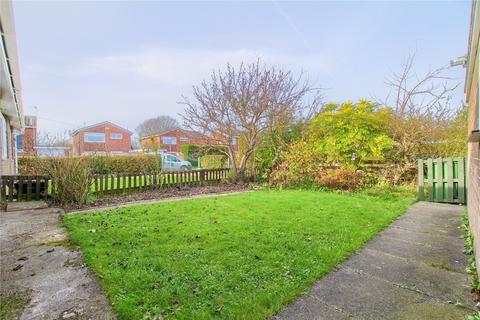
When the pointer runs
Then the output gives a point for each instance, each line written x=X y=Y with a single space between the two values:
x=3 y=192
x=20 y=188
x=439 y=179
x=29 y=188
x=430 y=179
x=450 y=184
x=461 y=180
x=10 y=188
x=38 y=181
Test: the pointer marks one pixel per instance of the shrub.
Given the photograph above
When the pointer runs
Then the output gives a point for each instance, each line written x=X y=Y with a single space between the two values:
x=300 y=165
x=341 y=179
x=217 y=161
x=97 y=164
x=71 y=179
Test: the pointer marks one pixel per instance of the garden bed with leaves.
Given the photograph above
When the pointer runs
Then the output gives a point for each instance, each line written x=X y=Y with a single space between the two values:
x=183 y=192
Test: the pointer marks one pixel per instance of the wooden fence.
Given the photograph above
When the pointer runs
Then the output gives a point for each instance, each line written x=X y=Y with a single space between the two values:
x=442 y=180
x=27 y=188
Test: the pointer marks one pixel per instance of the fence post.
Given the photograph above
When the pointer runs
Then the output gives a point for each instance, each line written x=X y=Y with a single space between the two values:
x=430 y=178
x=3 y=193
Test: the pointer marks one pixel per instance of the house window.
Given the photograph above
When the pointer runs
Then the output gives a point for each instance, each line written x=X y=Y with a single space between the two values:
x=234 y=141
x=95 y=137
x=183 y=139
x=3 y=124
x=20 y=142
x=116 y=136
x=169 y=140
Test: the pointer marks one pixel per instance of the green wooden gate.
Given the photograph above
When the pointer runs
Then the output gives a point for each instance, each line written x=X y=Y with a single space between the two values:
x=442 y=180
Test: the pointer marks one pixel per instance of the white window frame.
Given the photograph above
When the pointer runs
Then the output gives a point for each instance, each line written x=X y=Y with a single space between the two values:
x=116 y=136
x=85 y=139
x=4 y=137
x=183 y=139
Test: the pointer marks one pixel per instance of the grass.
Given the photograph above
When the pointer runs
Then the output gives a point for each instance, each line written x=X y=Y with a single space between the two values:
x=243 y=256
x=12 y=305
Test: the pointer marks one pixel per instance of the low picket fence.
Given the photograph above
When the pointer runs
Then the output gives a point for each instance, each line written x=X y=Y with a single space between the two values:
x=28 y=188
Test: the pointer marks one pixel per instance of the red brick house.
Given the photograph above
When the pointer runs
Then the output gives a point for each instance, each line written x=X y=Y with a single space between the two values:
x=27 y=142
x=472 y=98
x=101 y=138
x=173 y=140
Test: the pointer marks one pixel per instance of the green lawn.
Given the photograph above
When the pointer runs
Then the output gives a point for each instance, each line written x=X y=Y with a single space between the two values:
x=233 y=257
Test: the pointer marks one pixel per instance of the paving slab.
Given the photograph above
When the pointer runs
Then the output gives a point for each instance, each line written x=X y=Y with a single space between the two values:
x=373 y=298
x=311 y=308
x=442 y=284
x=26 y=205
x=450 y=258
x=414 y=269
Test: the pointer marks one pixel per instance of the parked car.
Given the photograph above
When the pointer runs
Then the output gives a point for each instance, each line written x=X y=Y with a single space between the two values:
x=173 y=163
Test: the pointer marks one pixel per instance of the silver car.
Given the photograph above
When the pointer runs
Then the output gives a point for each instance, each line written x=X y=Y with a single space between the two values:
x=173 y=163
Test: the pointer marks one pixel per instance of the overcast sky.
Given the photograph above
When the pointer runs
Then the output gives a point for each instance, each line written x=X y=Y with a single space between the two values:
x=87 y=62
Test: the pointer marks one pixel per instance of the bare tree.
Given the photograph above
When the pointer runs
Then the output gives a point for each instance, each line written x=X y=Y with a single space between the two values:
x=47 y=139
x=241 y=103
x=422 y=106
x=156 y=125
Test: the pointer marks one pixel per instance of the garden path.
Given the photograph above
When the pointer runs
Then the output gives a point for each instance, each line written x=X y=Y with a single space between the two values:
x=42 y=277
x=414 y=269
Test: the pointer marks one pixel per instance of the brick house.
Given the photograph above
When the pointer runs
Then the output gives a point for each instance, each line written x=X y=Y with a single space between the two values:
x=27 y=142
x=101 y=138
x=472 y=96
x=11 y=108
x=173 y=140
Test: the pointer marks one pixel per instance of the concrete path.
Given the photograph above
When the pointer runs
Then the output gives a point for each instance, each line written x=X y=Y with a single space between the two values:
x=414 y=269
x=41 y=276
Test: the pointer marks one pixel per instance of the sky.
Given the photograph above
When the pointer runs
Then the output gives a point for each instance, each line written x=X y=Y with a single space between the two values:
x=86 y=62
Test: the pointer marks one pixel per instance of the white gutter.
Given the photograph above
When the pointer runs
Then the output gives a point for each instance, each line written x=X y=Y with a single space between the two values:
x=10 y=59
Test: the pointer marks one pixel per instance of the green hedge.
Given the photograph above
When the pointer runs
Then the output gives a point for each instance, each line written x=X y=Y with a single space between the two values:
x=98 y=164
x=214 y=161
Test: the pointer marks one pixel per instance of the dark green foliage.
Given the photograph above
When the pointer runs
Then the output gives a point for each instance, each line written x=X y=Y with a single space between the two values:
x=97 y=164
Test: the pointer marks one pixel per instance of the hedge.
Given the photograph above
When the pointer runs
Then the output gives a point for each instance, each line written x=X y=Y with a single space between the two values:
x=214 y=161
x=98 y=164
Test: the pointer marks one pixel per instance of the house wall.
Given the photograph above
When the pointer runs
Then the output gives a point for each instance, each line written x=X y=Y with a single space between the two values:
x=10 y=89
x=7 y=166
x=80 y=146
x=473 y=157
